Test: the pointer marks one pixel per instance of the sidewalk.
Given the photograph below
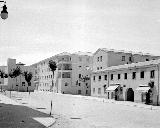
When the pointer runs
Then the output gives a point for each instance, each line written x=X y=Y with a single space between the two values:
x=47 y=121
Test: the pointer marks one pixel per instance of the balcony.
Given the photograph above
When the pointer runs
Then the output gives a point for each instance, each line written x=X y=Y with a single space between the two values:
x=64 y=67
x=36 y=80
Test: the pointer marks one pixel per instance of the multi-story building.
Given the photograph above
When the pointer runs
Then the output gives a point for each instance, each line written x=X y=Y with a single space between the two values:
x=107 y=63
x=18 y=83
x=72 y=75
x=137 y=82
x=104 y=58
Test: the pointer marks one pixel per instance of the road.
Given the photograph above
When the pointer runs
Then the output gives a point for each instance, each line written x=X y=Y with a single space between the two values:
x=91 y=112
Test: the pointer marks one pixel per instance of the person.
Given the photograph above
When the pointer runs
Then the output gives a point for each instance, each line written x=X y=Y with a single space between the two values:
x=4 y=9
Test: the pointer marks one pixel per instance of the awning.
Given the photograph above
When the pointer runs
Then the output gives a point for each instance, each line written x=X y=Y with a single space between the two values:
x=143 y=88
x=112 y=88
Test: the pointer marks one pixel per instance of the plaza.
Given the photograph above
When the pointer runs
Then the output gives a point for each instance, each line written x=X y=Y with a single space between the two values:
x=92 y=112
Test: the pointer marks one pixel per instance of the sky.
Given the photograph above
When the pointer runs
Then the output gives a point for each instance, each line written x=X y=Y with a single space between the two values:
x=38 y=29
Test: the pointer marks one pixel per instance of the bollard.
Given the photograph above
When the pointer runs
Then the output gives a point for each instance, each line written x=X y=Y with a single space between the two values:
x=51 y=108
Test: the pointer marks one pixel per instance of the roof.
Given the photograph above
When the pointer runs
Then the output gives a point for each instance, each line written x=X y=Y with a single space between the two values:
x=126 y=66
x=123 y=51
x=63 y=53
x=20 y=63
x=83 y=53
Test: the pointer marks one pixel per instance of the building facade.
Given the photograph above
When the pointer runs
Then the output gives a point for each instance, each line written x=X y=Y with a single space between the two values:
x=137 y=82
x=18 y=83
x=72 y=75
x=104 y=58
x=112 y=75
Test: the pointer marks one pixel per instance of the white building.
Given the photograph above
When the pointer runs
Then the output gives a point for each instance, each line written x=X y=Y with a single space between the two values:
x=19 y=83
x=72 y=75
x=104 y=58
x=137 y=82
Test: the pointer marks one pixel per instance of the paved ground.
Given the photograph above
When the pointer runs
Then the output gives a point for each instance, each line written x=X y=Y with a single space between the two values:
x=14 y=115
x=91 y=112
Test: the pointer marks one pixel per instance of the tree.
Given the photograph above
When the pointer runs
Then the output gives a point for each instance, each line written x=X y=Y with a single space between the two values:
x=28 y=77
x=15 y=72
x=52 y=65
x=2 y=74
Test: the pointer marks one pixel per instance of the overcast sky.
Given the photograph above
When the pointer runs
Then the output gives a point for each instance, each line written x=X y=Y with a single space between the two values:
x=38 y=29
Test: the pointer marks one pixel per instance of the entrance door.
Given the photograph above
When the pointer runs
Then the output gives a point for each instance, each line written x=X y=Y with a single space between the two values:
x=149 y=97
x=130 y=94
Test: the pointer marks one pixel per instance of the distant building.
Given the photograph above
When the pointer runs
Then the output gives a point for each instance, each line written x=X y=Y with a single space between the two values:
x=71 y=77
x=19 y=83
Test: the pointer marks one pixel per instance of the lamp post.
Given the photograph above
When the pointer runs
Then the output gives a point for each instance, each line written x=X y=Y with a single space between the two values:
x=4 y=12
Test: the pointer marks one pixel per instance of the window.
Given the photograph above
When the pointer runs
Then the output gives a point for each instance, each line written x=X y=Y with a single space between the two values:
x=99 y=90
x=130 y=59
x=23 y=83
x=133 y=75
x=152 y=74
x=79 y=75
x=79 y=91
x=119 y=76
x=108 y=95
x=66 y=84
x=94 y=77
x=93 y=90
x=79 y=84
x=105 y=88
x=86 y=91
x=97 y=59
x=142 y=74
x=125 y=75
x=99 y=78
x=111 y=76
x=123 y=58
x=101 y=58
x=105 y=77
x=66 y=75
x=80 y=58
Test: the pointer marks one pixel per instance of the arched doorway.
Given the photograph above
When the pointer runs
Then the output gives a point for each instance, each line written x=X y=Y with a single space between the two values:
x=129 y=94
x=149 y=97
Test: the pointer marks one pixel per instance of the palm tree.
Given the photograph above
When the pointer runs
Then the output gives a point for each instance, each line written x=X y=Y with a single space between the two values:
x=52 y=65
x=28 y=77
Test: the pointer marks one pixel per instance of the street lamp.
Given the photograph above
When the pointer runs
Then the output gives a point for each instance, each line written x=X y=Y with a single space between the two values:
x=4 y=12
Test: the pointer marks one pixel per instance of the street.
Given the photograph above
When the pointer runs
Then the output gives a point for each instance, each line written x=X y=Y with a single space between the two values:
x=90 y=112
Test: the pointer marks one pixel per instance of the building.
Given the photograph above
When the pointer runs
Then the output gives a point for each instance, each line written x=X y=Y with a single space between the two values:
x=109 y=64
x=18 y=83
x=104 y=58
x=71 y=77
x=137 y=82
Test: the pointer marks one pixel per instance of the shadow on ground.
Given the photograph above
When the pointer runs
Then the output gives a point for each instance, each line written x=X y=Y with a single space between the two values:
x=15 y=116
